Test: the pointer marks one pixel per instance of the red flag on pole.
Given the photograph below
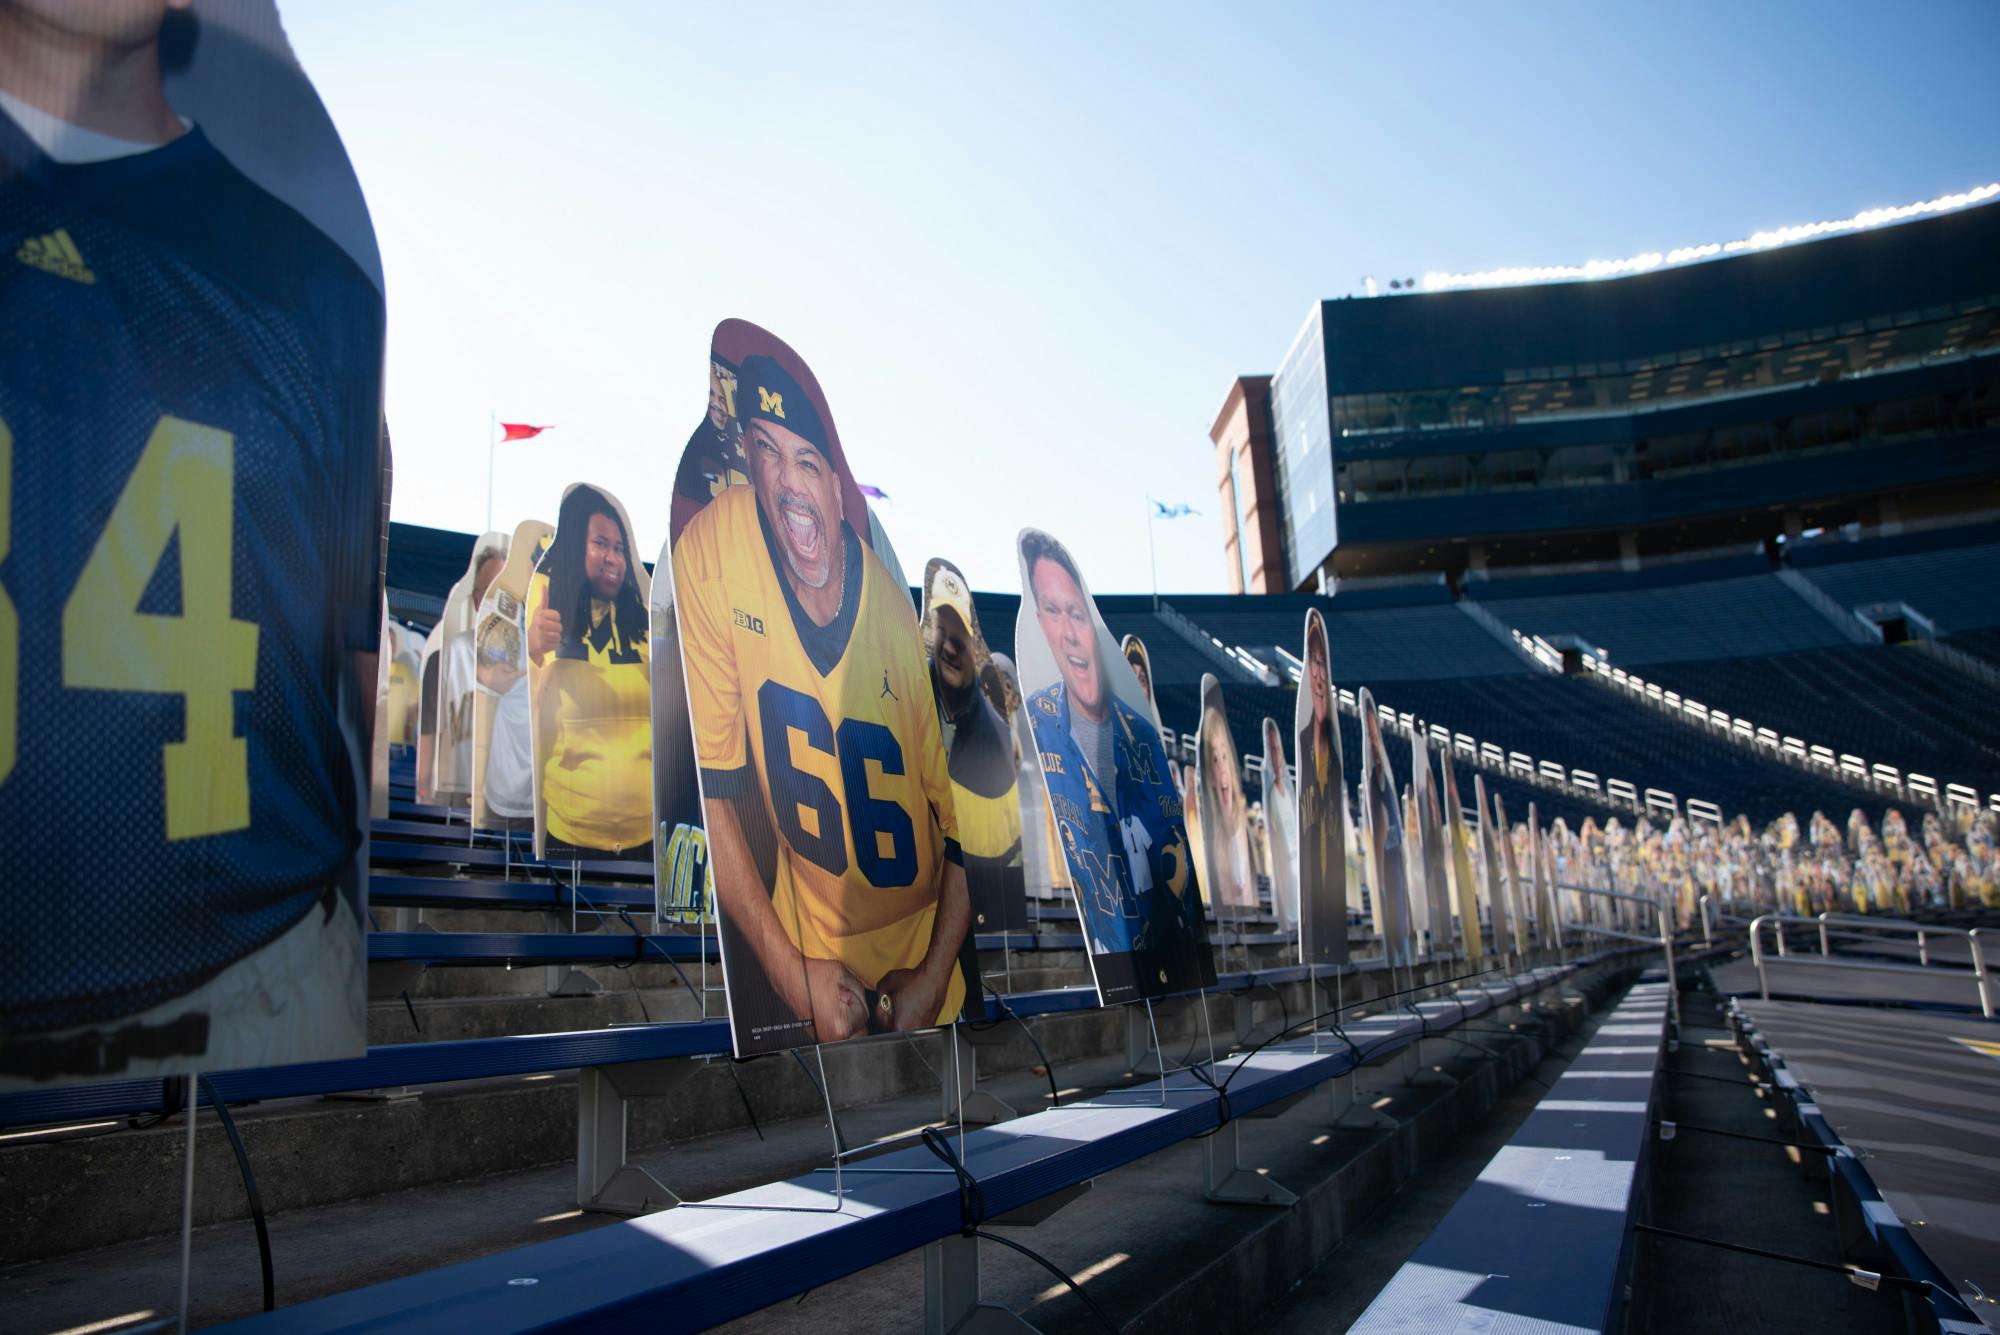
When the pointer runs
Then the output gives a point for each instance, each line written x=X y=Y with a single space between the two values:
x=520 y=431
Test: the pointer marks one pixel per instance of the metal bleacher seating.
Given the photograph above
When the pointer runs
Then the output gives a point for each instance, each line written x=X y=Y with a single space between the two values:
x=699 y=1265
x=1541 y=1241
x=1579 y=722
x=1886 y=702
x=1711 y=610
x=1947 y=576
x=1889 y=1100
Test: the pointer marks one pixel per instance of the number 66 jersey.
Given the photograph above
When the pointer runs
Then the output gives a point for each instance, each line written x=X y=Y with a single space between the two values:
x=840 y=726
x=190 y=510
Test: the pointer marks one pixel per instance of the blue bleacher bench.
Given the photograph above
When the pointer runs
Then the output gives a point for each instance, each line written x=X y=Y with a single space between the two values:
x=1540 y=1243
x=705 y=1263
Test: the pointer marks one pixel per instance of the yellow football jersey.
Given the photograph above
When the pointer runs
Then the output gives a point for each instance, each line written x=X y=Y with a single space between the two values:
x=597 y=778
x=836 y=729
x=401 y=695
x=988 y=827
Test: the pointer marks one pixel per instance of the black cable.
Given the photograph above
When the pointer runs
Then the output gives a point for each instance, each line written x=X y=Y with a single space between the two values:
x=1222 y=1109
x=1740 y=1082
x=1050 y=1266
x=1678 y=1127
x=1278 y=991
x=415 y=1023
x=748 y=1112
x=1352 y=1047
x=637 y=995
x=972 y=1213
x=1465 y=1043
x=1048 y=1067
x=249 y=1187
x=625 y=916
x=1359 y=1059
x=1853 y=1273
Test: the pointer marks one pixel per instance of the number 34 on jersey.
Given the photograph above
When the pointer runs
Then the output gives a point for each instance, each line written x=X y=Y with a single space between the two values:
x=184 y=483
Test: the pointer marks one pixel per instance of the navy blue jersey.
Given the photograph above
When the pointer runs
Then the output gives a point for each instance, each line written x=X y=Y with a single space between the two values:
x=190 y=386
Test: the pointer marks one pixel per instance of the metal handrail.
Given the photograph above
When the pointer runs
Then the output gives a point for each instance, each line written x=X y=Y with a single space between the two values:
x=1979 y=978
x=1711 y=916
x=1665 y=937
x=1923 y=930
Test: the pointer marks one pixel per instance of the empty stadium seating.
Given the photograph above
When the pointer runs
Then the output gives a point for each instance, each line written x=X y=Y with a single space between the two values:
x=1948 y=576
x=1578 y=722
x=1891 y=703
x=1639 y=620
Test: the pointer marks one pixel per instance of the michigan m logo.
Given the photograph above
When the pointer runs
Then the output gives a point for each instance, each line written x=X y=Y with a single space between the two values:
x=767 y=402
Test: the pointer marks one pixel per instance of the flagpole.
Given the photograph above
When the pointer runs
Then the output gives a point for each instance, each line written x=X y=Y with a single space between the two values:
x=1152 y=552
x=491 y=430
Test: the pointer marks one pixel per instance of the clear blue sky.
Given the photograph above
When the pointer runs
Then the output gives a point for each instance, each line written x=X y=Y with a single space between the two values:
x=1025 y=248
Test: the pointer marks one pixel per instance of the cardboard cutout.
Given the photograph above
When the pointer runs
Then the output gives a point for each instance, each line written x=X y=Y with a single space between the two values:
x=404 y=650
x=1382 y=840
x=1281 y=819
x=1141 y=663
x=1117 y=815
x=1323 y=843
x=1510 y=878
x=503 y=767
x=1413 y=872
x=1190 y=785
x=378 y=758
x=979 y=751
x=1225 y=813
x=458 y=675
x=1437 y=883
x=1042 y=865
x=430 y=682
x=1499 y=908
x=1464 y=880
x=831 y=832
x=589 y=692
x=683 y=884
x=192 y=488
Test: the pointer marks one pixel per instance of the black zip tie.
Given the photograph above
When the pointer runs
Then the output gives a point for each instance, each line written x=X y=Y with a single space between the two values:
x=415 y=1023
x=1223 y=1113
x=1866 y=1279
x=1669 y=1129
x=971 y=1201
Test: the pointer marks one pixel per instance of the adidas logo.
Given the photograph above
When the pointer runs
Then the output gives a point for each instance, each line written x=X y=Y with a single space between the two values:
x=55 y=253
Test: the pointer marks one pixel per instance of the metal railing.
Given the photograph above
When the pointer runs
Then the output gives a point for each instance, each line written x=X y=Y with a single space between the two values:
x=1665 y=939
x=1713 y=915
x=1977 y=976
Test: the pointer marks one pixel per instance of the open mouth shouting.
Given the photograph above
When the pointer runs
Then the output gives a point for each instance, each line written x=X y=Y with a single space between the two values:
x=1081 y=669
x=804 y=535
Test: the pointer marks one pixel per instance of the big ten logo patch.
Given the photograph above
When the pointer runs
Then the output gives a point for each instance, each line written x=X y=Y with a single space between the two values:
x=682 y=880
x=755 y=625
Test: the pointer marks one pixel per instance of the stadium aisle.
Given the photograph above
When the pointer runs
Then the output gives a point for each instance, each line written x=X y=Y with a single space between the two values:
x=1738 y=1191
x=1343 y=1285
